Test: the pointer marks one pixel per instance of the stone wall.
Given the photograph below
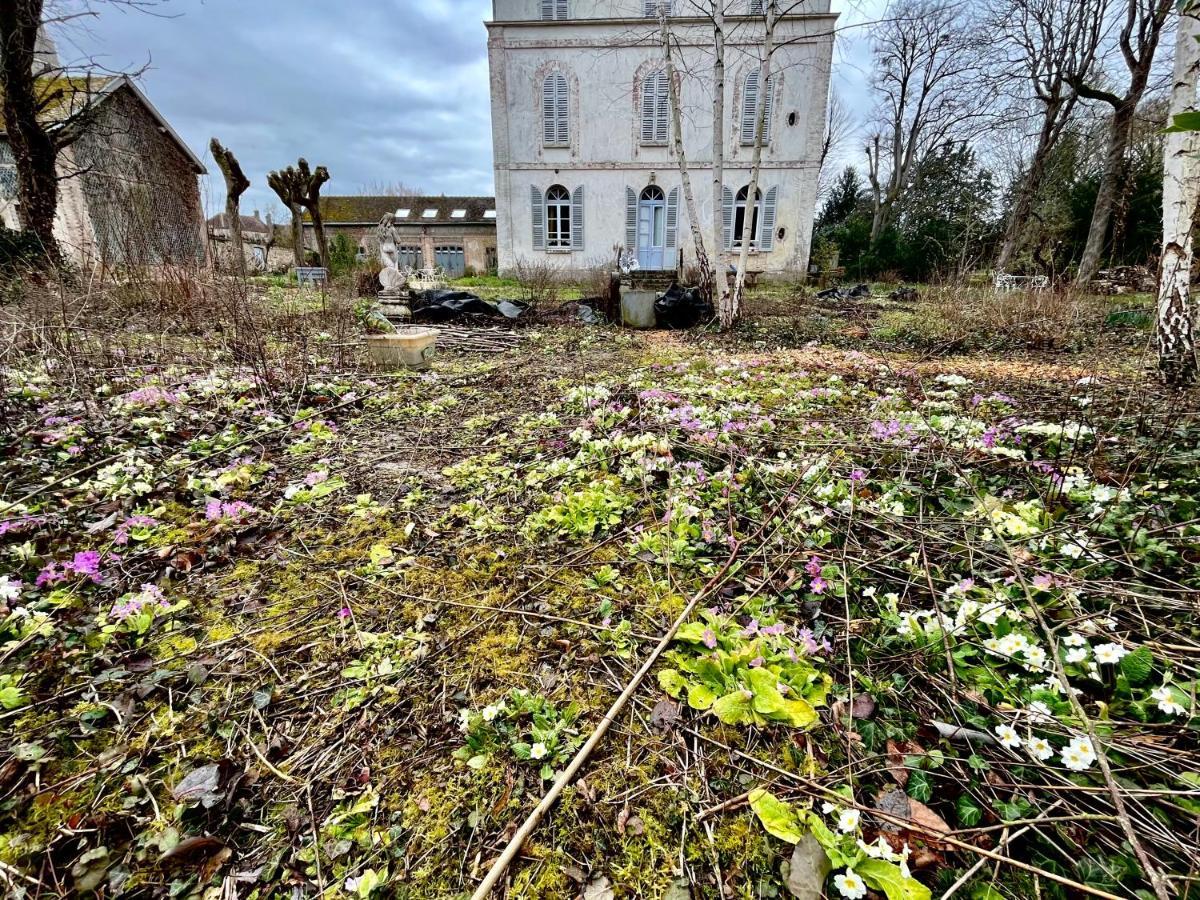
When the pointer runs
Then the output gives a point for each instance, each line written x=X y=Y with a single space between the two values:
x=478 y=241
x=141 y=189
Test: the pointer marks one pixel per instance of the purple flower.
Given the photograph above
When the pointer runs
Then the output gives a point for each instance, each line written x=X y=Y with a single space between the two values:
x=709 y=638
x=756 y=662
x=818 y=585
x=344 y=613
x=87 y=563
x=858 y=475
x=751 y=629
x=813 y=566
x=49 y=575
x=312 y=479
x=774 y=630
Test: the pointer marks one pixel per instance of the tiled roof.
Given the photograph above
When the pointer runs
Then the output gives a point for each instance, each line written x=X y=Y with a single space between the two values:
x=249 y=223
x=421 y=210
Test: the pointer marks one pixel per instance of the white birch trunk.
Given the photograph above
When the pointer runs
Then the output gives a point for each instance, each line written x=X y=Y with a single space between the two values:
x=689 y=198
x=764 y=84
x=726 y=309
x=1181 y=197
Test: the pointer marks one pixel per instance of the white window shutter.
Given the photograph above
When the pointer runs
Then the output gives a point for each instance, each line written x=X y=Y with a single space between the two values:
x=661 y=108
x=672 y=218
x=560 y=9
x=577 y=219
x=648 y=100
x=770 y=100
x=766 y=227
x=756 y=7
x=537 y=214
x=547 y=9
x=631 y=216
x=749 y=107
x=727 y=216
x=548 y=110
x=562 y=108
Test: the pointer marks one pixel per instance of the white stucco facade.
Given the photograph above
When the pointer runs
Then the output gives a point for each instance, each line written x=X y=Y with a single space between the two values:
x=612 y=154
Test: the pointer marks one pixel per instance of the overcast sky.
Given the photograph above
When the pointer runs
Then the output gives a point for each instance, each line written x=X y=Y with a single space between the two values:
x=380 y=91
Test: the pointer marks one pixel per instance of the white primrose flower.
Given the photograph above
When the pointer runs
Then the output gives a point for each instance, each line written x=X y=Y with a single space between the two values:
x=1166 y=701
x=1077 y=654
x=490 y=712
x=1079 y=755
x=848 y=821
x=850 y=885
x=1007 y=736
x=1110 y=654
x=1075 y=640
x=538 y=751
x=1037 y=711
x=1039 y=748
x=10 y=588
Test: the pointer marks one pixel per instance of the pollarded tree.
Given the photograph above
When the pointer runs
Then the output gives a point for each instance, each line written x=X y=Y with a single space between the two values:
x=299 y=187
x=1181 y=206
x=236 y=184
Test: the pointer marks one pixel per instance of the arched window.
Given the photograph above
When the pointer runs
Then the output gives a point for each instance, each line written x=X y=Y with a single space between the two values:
x=741 y=228
x=554 y=9
x=556 y=111
x=751 y=97
x=655 y=108
x=558 y=218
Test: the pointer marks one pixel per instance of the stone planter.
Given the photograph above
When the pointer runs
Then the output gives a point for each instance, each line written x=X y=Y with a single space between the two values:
x=412 y=348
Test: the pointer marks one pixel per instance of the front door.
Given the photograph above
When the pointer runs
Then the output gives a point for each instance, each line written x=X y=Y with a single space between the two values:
x=652 y=228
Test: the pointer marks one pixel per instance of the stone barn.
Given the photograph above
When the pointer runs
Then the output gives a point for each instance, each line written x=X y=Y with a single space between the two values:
x=456 y=234
x=129 y=191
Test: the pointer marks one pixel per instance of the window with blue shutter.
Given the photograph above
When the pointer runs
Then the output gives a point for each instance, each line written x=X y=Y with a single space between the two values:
x=672 y=218
x=656 y=108
x=727 y=217
x=631 y=213
x=556 y=111
x=751 y=97
x=537 y=214
x=577 y=219
x=766 y=236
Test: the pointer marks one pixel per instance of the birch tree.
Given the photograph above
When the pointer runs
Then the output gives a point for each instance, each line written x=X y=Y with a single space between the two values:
x=1138 y=43
x=727 y=305
x=1181 y=206
x=689 y=197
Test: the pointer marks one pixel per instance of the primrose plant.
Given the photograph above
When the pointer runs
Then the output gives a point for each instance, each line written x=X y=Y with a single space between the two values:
x=524 y=725
x=756 y=674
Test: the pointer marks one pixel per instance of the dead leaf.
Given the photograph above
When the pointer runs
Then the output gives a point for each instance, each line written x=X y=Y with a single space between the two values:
x=205 y=785
x=808 y=869
x=191 y=851
x=896 y=753
x=863 y=707
x=664 y=715
x=598 y=889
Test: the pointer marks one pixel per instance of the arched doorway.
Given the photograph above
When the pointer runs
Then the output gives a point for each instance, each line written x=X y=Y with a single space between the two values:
x=652 y=228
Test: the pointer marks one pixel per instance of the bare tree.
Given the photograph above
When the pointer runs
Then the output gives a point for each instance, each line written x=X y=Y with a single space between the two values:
x=689 y=197
x=46 y=108
x=727 y=306
x=840 y=124
x=236 y=184
x=1051 y=45
x=397 y=189
x=1138 y=42
x=927 y=59
x=1181 y=207
x=299 y=187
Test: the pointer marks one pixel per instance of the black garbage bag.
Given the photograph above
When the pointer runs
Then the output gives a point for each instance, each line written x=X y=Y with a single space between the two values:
x=860 y=291
x=445 y=305
x=681 y=307
x=833 y=293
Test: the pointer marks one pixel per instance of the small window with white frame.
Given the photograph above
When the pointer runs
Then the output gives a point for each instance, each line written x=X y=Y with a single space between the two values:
x=458 y=213
x=558 y=218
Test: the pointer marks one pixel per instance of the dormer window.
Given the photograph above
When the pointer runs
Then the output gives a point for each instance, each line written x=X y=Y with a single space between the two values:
x=429 y=214
x=489 y=214
x=458 y=214
x=402 y=213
